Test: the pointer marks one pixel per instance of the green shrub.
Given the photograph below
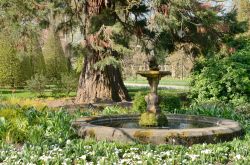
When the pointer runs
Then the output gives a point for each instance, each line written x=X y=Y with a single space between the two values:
x=17 y=130
x=243 y=110
x=226 y=79
x=19 y=125
x=57 y=89
x=139 y=103
x=37 y=84
x=167 y=102
x=69 y=83
x=66 y=84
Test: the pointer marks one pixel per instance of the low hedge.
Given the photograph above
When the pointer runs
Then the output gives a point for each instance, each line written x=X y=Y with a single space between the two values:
x=167 y=101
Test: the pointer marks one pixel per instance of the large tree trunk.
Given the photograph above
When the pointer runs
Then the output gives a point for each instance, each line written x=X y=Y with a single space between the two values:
x=97 y=85
x=100 y=85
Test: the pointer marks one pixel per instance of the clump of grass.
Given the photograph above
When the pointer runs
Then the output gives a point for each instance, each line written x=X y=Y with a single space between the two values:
x=20 y=125
x=115 y=110
x=38 y=104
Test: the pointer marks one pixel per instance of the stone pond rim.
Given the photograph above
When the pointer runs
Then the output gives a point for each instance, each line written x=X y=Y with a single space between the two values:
x=224 y=130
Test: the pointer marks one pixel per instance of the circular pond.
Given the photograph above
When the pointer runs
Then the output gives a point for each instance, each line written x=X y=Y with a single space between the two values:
x=181 y=129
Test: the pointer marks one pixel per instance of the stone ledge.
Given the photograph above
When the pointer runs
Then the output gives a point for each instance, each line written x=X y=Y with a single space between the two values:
x=223 y=130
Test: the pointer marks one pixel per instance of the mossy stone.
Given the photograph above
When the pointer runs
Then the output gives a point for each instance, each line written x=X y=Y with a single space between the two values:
x=152 y=119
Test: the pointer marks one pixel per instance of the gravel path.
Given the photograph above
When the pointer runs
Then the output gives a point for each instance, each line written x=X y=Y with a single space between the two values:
x=160 y=86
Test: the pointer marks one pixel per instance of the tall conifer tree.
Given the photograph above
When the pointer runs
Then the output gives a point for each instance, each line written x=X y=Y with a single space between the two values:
x=9 y=63
x=55 y=60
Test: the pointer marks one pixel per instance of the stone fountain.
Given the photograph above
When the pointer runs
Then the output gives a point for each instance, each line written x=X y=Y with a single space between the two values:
x=176 y=129
x=152 y=99
x=153 y=76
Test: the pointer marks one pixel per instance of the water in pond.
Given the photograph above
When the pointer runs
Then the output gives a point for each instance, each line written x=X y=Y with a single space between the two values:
x=176 y=124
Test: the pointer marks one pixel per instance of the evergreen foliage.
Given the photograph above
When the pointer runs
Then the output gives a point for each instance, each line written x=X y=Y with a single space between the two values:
x=26 y=68
x=36 y=57
x=198 y=27
x=10 y=65
x=55 y=61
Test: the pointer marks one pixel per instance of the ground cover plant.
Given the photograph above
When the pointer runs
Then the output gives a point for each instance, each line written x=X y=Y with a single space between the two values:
x=46 y=137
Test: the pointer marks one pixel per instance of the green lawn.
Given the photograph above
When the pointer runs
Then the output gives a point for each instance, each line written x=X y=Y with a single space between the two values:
x=133 y=90
x=164 y=81
x=24 y=93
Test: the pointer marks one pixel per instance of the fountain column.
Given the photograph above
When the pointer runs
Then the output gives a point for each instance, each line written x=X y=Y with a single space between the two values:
x=152 y=99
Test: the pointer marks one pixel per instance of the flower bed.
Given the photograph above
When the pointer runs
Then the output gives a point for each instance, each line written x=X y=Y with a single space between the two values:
x=58 y=144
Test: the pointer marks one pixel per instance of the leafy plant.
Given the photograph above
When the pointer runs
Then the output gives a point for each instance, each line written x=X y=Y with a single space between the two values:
x=37 y=84
x=139 y=103
x=226 y=79
x=69 y=83
x=169 y=102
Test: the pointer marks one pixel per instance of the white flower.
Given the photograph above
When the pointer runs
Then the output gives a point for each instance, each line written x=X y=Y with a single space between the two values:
x=193 y=157
x=134 y=149
x=83 y=157
x=238 y=157
x=139 y=162
x=45 y=158
x=167 y=153
x=206 y=151
x=149 y=154
x=117 y=151
x=87 y=147
x=68 y=142
x=64 y=163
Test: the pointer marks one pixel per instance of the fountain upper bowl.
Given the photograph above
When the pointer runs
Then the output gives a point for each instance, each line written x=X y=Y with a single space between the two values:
x=153 y=73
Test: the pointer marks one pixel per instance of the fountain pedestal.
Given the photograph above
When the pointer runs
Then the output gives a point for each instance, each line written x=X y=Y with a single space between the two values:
x=152 y=99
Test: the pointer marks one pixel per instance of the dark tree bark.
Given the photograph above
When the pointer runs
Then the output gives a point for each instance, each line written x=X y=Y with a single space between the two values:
x=100 y=85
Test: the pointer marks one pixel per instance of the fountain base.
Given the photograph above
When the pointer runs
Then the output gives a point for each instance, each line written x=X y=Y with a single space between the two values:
x=181 y=129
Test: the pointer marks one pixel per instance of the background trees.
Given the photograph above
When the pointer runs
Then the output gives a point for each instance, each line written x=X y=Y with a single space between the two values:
x=10 y=65
x=56 y=63
x=112 y=29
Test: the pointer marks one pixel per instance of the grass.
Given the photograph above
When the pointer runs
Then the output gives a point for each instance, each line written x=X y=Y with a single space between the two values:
x=24 y=93
x=133 y=90
x=164 y=81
